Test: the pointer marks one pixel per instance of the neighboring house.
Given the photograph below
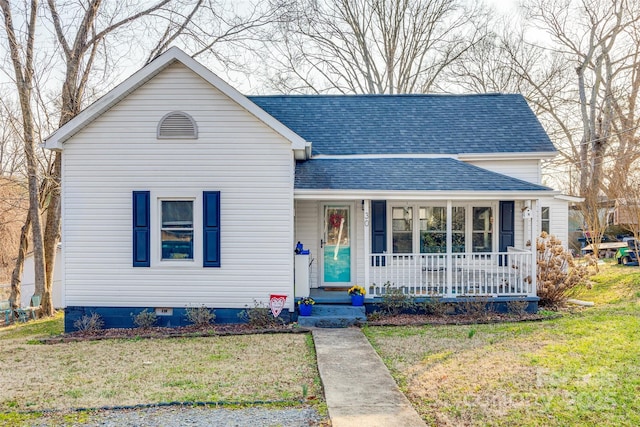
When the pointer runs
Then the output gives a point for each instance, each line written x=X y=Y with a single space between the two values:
x=179 y=191
x=28 y=286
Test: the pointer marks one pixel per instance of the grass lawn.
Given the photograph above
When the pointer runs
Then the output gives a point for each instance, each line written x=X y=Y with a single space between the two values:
x=582 y=369
x=91 y=374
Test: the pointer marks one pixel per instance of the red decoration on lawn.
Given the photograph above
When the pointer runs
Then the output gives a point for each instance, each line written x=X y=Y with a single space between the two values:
x=276 y=304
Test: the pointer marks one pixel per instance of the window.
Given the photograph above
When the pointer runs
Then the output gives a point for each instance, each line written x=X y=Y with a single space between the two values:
x=433 y=230
x=402 y=230
x=458 y=228
x=545 y=220
x=482 y=233
x=177 y=229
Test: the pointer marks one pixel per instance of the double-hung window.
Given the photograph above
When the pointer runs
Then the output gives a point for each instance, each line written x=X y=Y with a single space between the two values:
x=177 y=229
x=545 y=220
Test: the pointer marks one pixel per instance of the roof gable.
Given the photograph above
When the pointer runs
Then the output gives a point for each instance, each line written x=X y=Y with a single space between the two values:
x=174 y=54
x=411 y=124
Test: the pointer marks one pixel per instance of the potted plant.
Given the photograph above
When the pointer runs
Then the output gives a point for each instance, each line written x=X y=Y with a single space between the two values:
x=357 y=295
x=305 y=305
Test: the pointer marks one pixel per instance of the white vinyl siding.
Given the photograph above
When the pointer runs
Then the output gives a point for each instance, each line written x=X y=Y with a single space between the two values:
x=526 y=170
x=235 y=153
x=558 y=218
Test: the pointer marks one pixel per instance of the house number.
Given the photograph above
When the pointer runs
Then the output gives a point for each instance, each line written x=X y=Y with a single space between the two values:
x=366 y=219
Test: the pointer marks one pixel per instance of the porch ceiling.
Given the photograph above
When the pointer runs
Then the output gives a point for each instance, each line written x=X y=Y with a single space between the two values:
x=409 y=175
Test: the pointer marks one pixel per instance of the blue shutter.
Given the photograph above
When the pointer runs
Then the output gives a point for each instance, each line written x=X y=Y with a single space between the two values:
x=141 y=229
x=507 y=228
x=378 y=230
x=211 y=228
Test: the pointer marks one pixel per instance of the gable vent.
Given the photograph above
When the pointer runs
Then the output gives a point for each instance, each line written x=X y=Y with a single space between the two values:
x=177 y=125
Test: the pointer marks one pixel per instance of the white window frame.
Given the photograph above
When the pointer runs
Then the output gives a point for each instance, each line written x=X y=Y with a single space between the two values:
x=544 y=220
x=156 y=234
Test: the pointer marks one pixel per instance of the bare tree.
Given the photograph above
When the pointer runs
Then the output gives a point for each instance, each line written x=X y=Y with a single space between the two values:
x=371 y=46
x=22 y=59
x=599 y=39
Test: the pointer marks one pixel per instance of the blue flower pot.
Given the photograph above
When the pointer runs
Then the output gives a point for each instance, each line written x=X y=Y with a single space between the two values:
x=357 y=300
x=305 y=309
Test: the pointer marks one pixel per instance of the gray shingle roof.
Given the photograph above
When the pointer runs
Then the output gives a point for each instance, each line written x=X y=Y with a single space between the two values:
x=441 y=174
x=410 y=124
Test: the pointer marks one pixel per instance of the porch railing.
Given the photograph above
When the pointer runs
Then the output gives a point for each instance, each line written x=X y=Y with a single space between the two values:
x=460 y=274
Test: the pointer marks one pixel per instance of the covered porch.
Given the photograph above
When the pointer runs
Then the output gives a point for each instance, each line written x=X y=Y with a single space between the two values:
x=425 y=247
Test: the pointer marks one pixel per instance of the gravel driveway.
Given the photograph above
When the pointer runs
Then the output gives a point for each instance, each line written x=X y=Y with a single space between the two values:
x=174 y=416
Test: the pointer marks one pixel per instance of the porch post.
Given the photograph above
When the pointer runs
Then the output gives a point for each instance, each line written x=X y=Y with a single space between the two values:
x=449 y=288
x=534 y=252
x=367 y=242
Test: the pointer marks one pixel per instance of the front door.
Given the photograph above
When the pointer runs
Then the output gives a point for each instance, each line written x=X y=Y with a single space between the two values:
x=336 y=245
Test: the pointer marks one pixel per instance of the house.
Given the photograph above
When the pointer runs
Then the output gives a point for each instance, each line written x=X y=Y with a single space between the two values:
x=178 y=191
x=28 y=284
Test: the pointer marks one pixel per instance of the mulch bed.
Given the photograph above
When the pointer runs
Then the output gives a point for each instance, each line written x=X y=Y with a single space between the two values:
x=177 y=332
x=246 y=329
x=457 y=319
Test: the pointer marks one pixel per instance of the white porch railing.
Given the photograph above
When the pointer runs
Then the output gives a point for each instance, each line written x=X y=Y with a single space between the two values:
x=461 y=274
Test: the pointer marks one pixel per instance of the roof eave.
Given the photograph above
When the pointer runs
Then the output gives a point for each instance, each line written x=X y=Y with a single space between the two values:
x=529 y=155
x=323 y=194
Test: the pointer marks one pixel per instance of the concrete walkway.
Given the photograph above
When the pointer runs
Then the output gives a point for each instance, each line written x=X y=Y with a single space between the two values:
x=357 y=385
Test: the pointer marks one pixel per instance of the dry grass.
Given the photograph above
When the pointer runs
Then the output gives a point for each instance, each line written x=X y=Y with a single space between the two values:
x=127 y=372
x=580 y=369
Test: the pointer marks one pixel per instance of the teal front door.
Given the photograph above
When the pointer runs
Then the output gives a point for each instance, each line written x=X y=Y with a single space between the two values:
x=336 y=245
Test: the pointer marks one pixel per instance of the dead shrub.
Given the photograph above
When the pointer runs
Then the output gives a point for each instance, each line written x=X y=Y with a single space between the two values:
x=395 y=301
x=476 y=307
x=200 y=316
x=518 y=307
x=559 y=276
x=260 y=317
x=435 y=307
x=145 y=319
x=92 y=323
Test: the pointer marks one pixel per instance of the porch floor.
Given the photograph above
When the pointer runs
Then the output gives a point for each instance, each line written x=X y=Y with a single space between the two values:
x=322 y=296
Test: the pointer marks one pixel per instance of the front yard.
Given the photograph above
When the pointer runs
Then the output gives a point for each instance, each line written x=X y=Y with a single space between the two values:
x=582 y=369
x=92 y=374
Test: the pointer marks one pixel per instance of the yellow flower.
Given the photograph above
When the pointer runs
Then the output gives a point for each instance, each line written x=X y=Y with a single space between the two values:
x=356 y=290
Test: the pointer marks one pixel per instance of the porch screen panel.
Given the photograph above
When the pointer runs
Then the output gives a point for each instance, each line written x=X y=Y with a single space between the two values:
x=402 y=227
x=482 y=235
x=433 y=229
x=458 y=228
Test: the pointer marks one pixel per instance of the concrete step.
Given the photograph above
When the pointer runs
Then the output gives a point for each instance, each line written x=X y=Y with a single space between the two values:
x=333 y=316
x=337 y=310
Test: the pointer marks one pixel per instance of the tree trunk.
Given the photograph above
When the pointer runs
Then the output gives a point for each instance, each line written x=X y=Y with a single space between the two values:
x=16 y=275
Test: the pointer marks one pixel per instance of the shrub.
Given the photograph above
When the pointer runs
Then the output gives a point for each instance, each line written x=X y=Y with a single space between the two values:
x=200 y=316
x=436 y=307
x=559 y=276
x=518 y=308
x=145 y=319
x=260 y=317
x=395 y=301
x=477 y=307
x=87 y=323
